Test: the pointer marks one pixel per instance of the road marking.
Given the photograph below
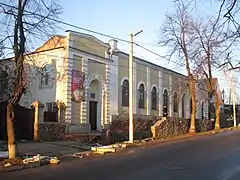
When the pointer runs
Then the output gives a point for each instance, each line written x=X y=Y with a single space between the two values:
x=229 y=173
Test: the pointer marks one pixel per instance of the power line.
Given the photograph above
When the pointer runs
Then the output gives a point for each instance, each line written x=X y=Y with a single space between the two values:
x=92 y=31
x=96 y=32
x=180 y=64
x=67 y=24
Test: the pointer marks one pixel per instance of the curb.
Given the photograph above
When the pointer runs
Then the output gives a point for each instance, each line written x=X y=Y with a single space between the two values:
x=151 y=141
x=78 y=154
x=148 y=141
x=24 y=166
x=19 y=167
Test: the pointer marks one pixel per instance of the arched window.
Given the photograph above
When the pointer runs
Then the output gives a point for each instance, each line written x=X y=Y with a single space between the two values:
x=154 y=98
x=165 y=103
x=183 y=107
x=125 y=93
x=175 y=102
x=141 y=96
x=202 y=109
x=45 y=76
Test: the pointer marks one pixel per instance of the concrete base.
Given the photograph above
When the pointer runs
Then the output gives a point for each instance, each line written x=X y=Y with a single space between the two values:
x=78 y=128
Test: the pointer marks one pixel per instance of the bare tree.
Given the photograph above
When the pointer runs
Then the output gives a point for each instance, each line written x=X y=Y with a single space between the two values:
x=213 y=42
x=24 y=22
x=229 y=10
x=177 y=34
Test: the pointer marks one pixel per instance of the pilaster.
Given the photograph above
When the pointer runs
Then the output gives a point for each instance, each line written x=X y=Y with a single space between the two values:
x=148 y=91
x=188 y=105
x=84 y=104
x=205 y=114
x=160 y=94
x=170 y=96
x=180 y=95
x=135 y=93
x=114 y=86
x=67 y=82
x=107 y=95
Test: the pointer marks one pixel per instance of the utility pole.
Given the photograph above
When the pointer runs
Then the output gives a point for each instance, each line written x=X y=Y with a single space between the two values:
x=130 y=111
x=131 y=90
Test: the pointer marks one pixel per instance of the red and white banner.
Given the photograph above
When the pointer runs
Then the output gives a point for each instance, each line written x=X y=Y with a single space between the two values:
x=78 y=78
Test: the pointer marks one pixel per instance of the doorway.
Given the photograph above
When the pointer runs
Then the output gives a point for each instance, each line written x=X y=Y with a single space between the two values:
x=93 y=115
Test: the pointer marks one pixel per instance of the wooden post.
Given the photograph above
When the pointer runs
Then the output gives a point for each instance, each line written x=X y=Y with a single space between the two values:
x=59 y=111
x=35 y=104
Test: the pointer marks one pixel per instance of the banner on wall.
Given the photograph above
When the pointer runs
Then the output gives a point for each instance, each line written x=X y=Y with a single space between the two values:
x=78 y=78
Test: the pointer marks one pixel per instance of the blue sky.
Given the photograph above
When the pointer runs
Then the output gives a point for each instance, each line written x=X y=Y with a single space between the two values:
x=119 y=18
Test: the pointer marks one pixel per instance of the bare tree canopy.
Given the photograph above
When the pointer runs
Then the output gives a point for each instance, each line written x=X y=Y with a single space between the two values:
x=36 y=21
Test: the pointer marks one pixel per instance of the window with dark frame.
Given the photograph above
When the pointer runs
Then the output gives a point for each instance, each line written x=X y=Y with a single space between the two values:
x=202 y=110
x=141 y=96
x=165 y=103
x=51 y=113
x=183 y=106
x=45 y=76
x=3 y=81
x=52 y=107
x=175 y=102
x=125 y=93
x=154 y=98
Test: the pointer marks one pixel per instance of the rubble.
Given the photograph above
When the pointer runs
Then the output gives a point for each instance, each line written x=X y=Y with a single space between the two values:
x=26 y=161
x=108 y=149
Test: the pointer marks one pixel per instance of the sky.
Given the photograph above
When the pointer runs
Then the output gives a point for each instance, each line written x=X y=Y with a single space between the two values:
x=119 y=18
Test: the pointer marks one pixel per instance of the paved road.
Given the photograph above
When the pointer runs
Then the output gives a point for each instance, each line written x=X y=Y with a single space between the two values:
x=200 y=158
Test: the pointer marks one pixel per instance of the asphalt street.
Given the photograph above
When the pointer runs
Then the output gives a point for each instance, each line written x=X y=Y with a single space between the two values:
x=207 y=157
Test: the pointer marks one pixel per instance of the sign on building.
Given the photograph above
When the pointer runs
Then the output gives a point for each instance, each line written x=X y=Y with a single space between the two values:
x=78 y=78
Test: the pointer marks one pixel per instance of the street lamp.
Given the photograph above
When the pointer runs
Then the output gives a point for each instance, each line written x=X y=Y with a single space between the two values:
x=131 y=138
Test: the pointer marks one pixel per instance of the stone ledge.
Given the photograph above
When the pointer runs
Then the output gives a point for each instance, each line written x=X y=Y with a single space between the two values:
x=175 y=127
x=51 y=131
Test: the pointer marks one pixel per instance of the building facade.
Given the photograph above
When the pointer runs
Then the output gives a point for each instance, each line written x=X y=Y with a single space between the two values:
x=103 y=71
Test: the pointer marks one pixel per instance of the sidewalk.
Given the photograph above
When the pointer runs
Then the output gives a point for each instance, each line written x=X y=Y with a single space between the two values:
x=57 y=148
x=48 y=148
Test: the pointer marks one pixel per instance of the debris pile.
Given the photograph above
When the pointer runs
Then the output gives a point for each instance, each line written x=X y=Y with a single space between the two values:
x=11 y=162
x=41 y=159
x=27 y=161
x=108 y=149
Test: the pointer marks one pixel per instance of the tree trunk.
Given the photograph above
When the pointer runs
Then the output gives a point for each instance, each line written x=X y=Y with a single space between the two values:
x=12 y=148
x=192 y=129
x=217 y=111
